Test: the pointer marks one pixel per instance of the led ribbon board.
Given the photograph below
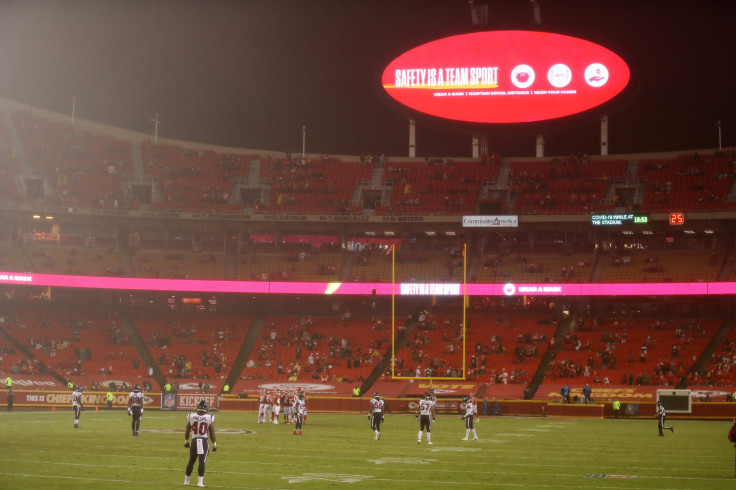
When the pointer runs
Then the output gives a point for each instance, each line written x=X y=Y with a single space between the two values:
x=505 y=77
x=366 y=288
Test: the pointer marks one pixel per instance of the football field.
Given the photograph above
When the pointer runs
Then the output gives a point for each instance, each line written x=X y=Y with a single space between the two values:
x=42 y=450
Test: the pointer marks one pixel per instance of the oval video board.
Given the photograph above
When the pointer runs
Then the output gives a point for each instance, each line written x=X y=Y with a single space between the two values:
x=505 y=76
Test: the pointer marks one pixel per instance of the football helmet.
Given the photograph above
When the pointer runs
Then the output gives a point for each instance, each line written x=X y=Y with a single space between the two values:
x=376 y=395
x=301 y=396
x=202 y=407
x=427 y=396
x=466 y=399
x=137 y=388
x=79 y=388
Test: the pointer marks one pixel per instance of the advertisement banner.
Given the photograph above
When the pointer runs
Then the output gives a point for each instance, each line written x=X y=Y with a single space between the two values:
x=58 y=399
x=418 y=388
x=168 y=401
x=34 y=381
x=311 y=387
x=505 y=76
x=190 y=401
x=490 y=221
x=610 y=392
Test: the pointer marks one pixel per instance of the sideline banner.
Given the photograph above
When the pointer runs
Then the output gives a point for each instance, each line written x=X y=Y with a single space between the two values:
x=189 y=401
x=34 y=381
x=610 y=392
x=417 y=388
x=193 y=385
x=63 y=399
x=310 y=387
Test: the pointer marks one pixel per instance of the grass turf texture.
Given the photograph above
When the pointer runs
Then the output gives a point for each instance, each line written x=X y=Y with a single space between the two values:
x=42 y=450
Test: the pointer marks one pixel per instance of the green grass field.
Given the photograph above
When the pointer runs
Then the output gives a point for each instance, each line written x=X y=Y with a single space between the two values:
x=42 y=450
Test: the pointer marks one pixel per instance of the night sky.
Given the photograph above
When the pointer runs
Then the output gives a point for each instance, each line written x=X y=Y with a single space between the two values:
x=249 y=73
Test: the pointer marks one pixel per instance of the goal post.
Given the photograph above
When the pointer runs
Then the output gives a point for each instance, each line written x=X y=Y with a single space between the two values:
x=463 y=368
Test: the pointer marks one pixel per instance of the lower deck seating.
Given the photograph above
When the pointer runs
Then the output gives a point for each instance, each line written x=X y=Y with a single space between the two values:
x=318 y=348
x=193 y=345
x=633 y=351
x=74 y=343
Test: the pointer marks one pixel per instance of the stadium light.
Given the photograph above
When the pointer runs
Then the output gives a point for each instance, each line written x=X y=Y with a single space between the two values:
x=74 y=107
x=304 y=142
x=537 y=13
x=156 y=121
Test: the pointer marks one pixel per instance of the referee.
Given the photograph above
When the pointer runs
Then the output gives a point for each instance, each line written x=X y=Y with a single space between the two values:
x=662 y=414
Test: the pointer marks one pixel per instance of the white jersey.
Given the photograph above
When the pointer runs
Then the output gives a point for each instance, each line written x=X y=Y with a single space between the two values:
x=377 y=406
x=77 y=399
x=425 y=407
x=299 y=406
x=471 y=409
x=136 y=399
x=200 y=424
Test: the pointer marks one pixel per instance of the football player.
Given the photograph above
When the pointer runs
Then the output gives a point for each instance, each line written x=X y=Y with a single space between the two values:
x=304 y=408
x=268 y=410
x=286 y=402
x=378 y=406
x=662 y=414
x=425 y=410
x=77 y=405
x=261 y=407
x=276 y=408
x=135 y=409
x=471 y=410
x=299 y=410
x=201 y=425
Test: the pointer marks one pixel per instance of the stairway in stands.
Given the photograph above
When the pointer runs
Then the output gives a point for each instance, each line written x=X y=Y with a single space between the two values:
x=245 y=350
x=547 y=358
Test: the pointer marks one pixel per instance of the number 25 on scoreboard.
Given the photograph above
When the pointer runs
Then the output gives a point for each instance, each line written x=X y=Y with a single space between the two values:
x=677 y=218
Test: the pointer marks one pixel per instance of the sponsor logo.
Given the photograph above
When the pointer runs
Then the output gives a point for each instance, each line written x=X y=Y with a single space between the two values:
x=508 y=221
x=509 y=289
x=168 y=401
x=191 y=401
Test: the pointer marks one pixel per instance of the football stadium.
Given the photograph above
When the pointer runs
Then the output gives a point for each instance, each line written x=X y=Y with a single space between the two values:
x=265 y=244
